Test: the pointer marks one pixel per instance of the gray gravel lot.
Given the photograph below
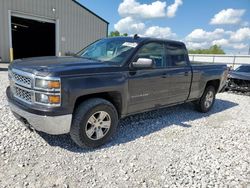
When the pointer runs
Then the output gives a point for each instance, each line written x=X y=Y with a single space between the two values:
x=173 y=147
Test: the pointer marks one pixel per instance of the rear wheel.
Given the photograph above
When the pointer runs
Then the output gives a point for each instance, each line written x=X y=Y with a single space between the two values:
x=94 y=122
x=206 y=102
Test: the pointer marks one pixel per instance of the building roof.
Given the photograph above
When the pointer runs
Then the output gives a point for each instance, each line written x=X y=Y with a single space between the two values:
x=75 y=1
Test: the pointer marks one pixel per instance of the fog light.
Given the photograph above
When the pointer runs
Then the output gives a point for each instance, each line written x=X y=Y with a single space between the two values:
x=42 y=98
x=47 y=99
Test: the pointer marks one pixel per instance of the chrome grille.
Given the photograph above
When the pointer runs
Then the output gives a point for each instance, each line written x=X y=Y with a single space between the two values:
x=22 y=94
x=21 y=79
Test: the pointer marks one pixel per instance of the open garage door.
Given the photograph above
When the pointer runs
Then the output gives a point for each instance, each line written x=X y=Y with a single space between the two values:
x=31 y=38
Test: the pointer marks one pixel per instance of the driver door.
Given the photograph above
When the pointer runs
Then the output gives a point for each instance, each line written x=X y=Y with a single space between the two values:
x=147 y=87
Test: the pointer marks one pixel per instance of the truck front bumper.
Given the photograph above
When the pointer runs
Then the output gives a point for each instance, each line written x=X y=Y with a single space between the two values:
x=54 y=125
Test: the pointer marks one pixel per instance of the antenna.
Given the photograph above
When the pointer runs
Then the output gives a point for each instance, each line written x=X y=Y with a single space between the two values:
x=136 y=36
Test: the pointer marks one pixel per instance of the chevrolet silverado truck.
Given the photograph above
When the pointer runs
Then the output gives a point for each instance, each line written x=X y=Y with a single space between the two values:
x=85 y=95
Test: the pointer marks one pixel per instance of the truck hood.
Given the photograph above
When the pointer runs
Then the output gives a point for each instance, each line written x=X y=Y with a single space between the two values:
x=239 y=75
x=59 y=66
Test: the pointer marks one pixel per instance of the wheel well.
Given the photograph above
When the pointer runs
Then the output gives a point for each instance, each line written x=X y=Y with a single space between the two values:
x=215 y=83
x=113 y=97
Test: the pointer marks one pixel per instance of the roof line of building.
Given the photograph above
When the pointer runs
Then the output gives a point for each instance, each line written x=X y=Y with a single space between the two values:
x=75 y=1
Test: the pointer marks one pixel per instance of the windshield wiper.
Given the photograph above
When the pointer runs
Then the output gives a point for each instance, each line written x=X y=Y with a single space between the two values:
x=89 y=58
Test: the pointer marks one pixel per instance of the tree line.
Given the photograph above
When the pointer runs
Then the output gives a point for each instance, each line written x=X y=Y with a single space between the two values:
x=215 y=49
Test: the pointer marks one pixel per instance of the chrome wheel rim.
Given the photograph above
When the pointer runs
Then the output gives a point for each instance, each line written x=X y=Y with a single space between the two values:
x=98 y=125
x=209 y=99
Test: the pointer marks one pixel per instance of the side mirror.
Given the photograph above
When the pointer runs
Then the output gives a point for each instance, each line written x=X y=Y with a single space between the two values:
x=143 y=63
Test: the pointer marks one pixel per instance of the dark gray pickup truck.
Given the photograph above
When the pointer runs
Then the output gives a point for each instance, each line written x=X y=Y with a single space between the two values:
x=87 y=94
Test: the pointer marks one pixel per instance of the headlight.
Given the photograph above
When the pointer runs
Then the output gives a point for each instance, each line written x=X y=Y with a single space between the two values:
x=47 y=84
x=48 y=99
x=48 y=91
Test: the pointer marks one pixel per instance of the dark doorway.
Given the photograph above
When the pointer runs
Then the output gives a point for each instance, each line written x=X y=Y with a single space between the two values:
x=31 y=38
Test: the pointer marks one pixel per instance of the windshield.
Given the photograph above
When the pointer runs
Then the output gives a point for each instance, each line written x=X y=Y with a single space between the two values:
x=111 y=50
x=243 y=69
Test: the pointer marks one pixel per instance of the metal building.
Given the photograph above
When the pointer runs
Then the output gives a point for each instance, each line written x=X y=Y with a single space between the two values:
x=30 y=28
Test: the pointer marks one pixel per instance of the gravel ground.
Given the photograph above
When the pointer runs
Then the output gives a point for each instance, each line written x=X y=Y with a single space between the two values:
x=173 y=147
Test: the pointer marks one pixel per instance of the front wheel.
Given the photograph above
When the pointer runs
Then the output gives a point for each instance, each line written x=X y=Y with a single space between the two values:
x=207 y=100
x=94 y=122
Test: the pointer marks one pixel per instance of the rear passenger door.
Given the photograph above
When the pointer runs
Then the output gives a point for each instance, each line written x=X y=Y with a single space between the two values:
x=178 y=73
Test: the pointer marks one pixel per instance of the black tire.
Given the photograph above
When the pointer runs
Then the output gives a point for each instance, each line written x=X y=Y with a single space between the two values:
x=81 y=119
x=201 y=103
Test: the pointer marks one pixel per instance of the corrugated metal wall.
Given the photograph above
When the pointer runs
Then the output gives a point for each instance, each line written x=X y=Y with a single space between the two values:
x=77 y=26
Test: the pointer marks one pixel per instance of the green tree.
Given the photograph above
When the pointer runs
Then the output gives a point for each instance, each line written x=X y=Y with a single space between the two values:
x=117 y=34
x=114 y=34
x=212 y=50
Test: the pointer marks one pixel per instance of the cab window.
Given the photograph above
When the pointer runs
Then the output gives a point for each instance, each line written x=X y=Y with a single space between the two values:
x=154 y=51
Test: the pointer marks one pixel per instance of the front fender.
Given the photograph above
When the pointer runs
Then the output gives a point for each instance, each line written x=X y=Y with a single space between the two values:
x=78 y=86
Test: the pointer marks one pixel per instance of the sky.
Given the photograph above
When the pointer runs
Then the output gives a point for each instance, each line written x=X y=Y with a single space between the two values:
x=198 y=23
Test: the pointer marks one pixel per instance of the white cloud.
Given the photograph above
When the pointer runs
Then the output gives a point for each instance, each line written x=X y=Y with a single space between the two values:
x=220 y=42
x=240 y=46
x=157 y=9
x=228 y=16
x=134 y=13
x=227 y=44
x=228 y=40
x=159 y=32
x=129 y=25
x=172 y=9
x=199 y=35
x=134 y=9
x=197 y=45
x=241 y=34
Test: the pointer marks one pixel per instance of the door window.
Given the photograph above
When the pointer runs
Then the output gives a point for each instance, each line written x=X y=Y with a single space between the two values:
x=177 y=55
x=154 y=51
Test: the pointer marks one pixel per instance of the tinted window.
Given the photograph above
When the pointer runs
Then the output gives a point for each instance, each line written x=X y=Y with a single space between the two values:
x=177 y=55
x=154 y=51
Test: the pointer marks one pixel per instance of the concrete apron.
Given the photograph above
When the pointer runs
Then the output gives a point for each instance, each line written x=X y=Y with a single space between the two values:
x=4 y=66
